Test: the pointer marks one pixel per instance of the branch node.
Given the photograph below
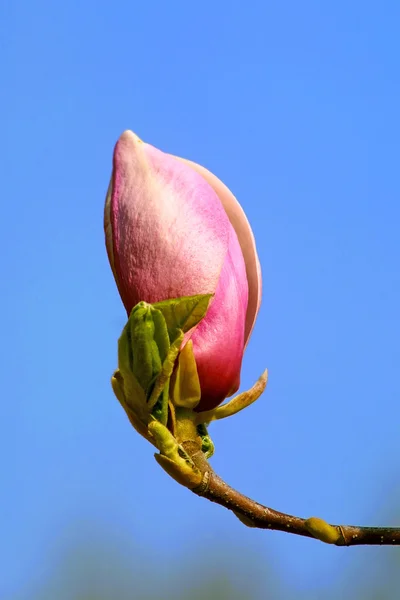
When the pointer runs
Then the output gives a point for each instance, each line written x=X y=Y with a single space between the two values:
x=201 y=489
x=343 y=534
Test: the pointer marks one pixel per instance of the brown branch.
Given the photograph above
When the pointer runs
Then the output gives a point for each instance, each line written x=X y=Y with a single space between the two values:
x=253 y=514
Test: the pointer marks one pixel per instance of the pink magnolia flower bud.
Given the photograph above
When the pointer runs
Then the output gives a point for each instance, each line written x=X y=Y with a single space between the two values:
x=173 y=229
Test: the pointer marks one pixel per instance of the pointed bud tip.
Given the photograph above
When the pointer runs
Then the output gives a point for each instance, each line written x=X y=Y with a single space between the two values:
x=129 y=135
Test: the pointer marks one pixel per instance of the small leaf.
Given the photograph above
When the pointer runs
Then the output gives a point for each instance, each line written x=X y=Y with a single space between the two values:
x=166 y=371
x=145 y=361
x=161 y=337
x=133 y=393
x=144 y=345
x=237 y=403
x=138 y=422
x=185 y=474
x=183 y=313
x=160 y=410
x=185 y=384
x=173 y=458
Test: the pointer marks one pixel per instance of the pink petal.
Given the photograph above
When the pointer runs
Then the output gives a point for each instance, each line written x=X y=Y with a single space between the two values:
x=169 y=233
x=218 y=340
x=245 y=235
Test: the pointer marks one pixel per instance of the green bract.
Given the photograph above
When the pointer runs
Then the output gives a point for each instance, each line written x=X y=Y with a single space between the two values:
x=158 y=385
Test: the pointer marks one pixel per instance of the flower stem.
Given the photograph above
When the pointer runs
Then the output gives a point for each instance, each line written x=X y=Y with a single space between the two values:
x=254 y=514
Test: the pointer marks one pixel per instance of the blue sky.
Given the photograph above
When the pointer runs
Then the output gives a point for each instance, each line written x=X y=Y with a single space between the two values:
x=295 y=106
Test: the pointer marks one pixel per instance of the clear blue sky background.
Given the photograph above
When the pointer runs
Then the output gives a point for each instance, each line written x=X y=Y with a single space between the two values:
x=295 y=105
